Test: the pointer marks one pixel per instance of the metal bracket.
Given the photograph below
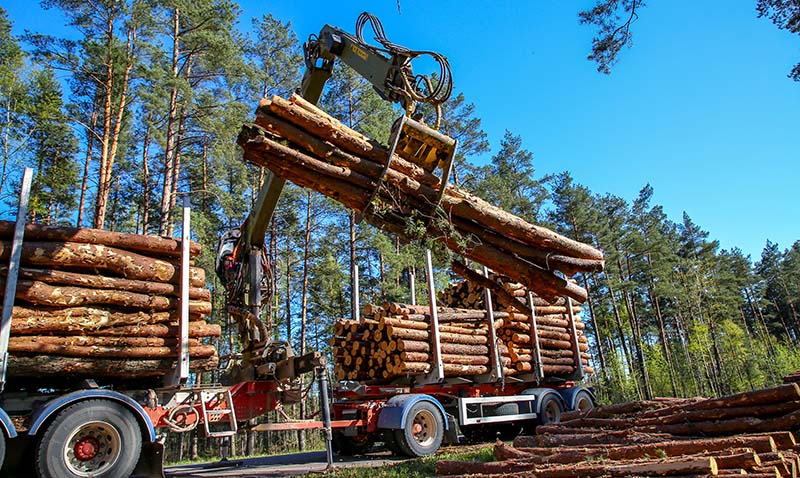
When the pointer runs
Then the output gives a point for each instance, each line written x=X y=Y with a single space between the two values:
x=496 y=372
x=436 y=375
x=537 y=352
x=576 y=349
x=181 y=374
x=13 y=273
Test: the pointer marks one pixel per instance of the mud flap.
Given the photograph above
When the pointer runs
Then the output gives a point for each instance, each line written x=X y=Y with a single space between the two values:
x=151 y=461
x=451 y=435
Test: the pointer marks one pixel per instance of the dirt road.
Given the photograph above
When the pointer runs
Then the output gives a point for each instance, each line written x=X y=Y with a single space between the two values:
x=275 y=466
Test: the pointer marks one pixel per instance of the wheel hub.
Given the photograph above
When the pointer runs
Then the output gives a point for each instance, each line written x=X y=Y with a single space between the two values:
x=86 y=448
x=93 y=448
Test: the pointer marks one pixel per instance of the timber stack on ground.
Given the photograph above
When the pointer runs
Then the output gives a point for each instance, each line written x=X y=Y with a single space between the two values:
x=554 y=321
x=302 y=144
x=394 y=341
x=100 y=304
x=749 y=433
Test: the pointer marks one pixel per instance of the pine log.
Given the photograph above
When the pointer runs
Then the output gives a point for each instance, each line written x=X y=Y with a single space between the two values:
x=134 y=242
x=760 y=444
x=99 y=351
x=65 y=367
x=36 y=292
x=448 y=348
x=355 y=197
x=684 y=466
x=129 y=265
x=41 y=320
x=622 y=437
x=412 y=334
x=112 y=341
x=564 y=263
x=501 y=294
x=95 y=281
x=608 y=411
x=783 y=393
x=196 y=329
x=336 y=133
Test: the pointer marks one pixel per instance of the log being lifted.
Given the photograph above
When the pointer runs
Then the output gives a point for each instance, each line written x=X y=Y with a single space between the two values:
x=349 y=166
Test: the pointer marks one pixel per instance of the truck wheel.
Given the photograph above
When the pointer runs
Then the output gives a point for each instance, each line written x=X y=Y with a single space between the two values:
x=550 y=408
x=350 y=446
x=93 y=438
x=423 y=431
x=583 y=402
x=2 y=449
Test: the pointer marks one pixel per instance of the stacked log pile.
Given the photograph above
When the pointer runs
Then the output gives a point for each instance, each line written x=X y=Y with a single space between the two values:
x=300 y=143
x=94 y=303
x=394 y=340
x=748 y=433
x=553 y=321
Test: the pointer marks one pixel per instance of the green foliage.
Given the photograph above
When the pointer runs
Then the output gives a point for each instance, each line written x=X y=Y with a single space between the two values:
x=613 y=20
x=508 y=181
x=53 y=144
x=419 y=468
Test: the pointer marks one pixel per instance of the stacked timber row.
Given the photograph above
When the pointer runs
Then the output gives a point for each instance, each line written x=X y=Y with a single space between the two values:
x=300 y=143
x=748 y=433
x=94 y=303
x=394 y=340
x=557 y=349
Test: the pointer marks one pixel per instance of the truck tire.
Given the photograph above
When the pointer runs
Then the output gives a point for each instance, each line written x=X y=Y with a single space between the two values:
x=423 y=431
x=583 y=401
x=2 y=448
x=92 y=438
x=550 y=409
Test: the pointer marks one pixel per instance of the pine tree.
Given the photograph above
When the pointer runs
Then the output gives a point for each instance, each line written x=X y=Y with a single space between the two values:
x=53 y=146
x=14 y=103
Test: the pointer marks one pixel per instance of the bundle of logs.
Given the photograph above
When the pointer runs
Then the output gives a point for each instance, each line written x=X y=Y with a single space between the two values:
x=95 y=303
x=394 y=340
x=513 y=323
x=748 y=433
x=300 y=143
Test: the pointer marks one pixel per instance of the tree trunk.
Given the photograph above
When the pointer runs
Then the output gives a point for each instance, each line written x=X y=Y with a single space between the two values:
x=146 y=199
x=172 y=117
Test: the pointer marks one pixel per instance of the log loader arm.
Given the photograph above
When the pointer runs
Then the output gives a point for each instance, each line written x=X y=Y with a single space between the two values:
x=241 y=260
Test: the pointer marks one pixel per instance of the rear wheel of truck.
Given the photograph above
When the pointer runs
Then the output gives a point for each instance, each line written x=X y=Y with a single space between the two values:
x=2 y=448
x=93 y=438
x=550 y=408
x=423 y=431
x=583 y=402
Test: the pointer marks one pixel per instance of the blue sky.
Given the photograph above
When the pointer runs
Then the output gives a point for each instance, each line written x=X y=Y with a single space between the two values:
x=700 y=107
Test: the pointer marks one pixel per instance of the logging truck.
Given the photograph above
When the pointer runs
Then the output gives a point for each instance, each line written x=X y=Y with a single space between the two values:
x=113 y=427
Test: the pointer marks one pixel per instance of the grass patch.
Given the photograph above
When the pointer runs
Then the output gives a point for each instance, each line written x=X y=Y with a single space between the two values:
x=419 y=468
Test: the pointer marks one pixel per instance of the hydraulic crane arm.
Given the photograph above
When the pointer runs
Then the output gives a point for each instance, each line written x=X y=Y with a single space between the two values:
x=388 y=68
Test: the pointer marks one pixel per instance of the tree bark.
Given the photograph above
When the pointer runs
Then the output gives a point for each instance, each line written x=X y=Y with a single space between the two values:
x=127 y=264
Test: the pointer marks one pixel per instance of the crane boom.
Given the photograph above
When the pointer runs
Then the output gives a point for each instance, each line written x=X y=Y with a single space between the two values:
x=240 y=256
